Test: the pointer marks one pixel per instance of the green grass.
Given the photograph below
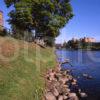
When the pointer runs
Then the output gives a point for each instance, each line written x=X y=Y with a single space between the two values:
x=21 y=79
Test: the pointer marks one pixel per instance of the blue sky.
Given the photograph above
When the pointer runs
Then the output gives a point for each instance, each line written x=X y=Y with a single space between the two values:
x=85 y=23
x=5 y=12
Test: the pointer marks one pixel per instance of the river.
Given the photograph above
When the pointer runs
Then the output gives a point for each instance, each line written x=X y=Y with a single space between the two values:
x=87 y=62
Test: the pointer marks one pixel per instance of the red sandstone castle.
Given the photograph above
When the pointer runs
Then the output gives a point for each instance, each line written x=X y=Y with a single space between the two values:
x=85 y=39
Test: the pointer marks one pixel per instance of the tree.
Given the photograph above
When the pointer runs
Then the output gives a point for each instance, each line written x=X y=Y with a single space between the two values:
x=43 y=16
x=3 y=32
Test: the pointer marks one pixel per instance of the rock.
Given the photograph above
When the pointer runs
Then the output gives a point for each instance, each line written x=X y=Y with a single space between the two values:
x=74 y=82
x=83 y=95
x=55 y=92
x=52 y=75
x=60 y=97
x=68 y=70
x=58 y=75
x=65 y=90
x=64 y=73
x=69 y=77
x=66 y=61
x=64 y=79
x=50 y=85
x=65 y=97
x=79 y=90
x=73 y=96
x=65 y=86
x=49 y=96
x=68 y=90
x=60 y=84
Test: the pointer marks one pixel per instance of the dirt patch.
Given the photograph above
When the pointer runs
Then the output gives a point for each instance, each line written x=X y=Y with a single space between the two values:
x=7 y=49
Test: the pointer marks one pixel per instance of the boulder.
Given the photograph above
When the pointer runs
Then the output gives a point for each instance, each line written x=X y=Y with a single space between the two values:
x=65 y=97
x=60 y=97
x=55 y=92
x=49 y=96
x=83 y=95
x=73 y=96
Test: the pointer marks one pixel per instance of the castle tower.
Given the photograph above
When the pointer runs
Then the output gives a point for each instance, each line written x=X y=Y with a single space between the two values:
x=1 y=20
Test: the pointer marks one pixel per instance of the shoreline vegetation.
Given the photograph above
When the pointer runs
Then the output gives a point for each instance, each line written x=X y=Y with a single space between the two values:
x=62 y=85
x=78 y=49
x=72 y=49
x=23 y=77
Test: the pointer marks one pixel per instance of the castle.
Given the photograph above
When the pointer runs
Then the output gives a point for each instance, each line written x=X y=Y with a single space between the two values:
x=85 y=39
x=88 y=39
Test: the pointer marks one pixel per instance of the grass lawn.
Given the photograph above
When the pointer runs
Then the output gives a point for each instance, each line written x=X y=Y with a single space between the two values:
x=21 y=77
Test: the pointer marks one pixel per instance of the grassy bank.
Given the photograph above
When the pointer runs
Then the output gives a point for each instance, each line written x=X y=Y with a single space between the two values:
x=22 y=66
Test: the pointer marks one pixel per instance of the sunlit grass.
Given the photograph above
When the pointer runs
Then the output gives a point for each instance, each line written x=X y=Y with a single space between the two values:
x=21 y=79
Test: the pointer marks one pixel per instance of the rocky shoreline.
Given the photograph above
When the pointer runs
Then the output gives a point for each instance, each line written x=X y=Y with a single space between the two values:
x=61 y=85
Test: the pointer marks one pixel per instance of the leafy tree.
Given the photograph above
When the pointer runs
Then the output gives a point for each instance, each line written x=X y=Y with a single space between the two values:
x=43 y=16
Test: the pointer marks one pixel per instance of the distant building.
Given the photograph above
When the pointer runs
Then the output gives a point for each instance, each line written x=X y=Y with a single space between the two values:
x=1 y=20
x=87 y=39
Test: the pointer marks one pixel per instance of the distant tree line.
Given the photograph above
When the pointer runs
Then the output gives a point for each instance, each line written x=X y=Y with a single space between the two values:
x=76 y=45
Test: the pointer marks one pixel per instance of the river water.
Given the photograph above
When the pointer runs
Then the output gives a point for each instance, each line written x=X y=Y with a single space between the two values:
x=84 y=62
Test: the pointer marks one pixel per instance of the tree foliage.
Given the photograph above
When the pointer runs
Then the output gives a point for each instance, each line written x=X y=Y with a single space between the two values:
x=43 y=16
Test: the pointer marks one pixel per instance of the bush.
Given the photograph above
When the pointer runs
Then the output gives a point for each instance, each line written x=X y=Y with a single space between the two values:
x=3 y=32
